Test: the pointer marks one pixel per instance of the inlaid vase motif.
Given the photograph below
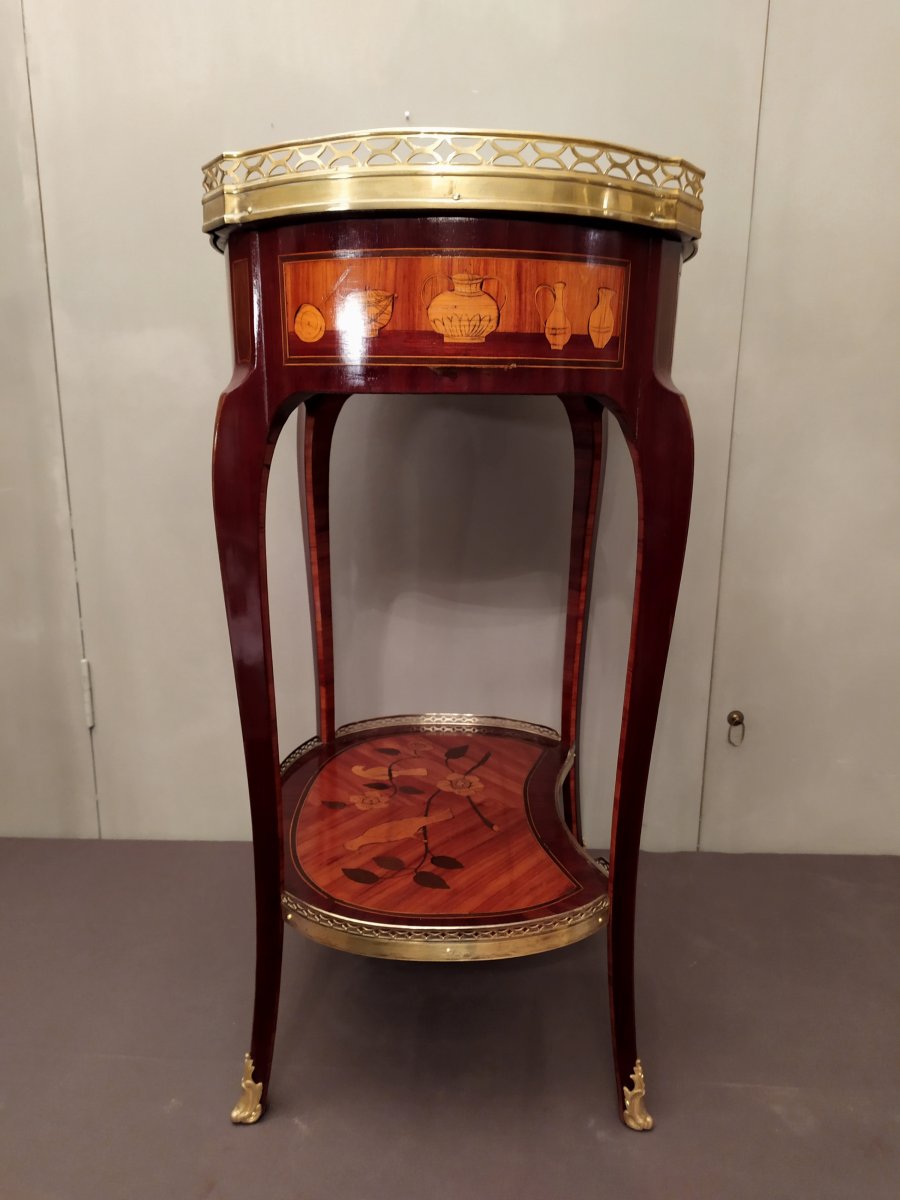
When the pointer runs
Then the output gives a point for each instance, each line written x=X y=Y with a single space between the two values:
x=366 y=310
x=557 y=326
x=466 y=313
x=602 y=320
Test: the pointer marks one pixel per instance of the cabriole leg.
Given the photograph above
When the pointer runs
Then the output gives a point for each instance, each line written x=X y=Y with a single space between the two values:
x=662 y=453
x=241 y=457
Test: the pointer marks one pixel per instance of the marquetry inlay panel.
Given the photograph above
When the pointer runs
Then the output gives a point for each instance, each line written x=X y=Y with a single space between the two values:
x=407 y=305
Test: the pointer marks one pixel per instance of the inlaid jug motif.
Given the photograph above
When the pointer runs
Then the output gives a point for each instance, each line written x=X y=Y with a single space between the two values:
x=557 y=326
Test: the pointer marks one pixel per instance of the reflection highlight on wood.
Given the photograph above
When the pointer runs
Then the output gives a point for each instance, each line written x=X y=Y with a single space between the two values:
x=365 y=311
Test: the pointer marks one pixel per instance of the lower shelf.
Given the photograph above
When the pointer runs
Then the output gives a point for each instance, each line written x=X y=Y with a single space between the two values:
x=436 y=837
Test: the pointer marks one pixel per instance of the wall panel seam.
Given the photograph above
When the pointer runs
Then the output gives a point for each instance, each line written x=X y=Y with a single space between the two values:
x=737 y=376
x=54 y=356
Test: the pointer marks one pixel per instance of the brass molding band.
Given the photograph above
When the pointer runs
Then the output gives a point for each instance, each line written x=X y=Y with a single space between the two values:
x=450 y=723
x=294 y=755
x=428 y=723
x=444 y=943
x=440 y=169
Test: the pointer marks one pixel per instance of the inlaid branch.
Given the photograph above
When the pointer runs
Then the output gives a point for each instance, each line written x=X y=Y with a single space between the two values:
x=381 y=788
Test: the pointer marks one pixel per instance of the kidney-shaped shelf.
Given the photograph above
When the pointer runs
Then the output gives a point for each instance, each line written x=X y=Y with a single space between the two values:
x=436 y=838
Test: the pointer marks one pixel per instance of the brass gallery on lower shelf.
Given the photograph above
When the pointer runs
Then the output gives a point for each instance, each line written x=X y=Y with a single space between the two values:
x=450 y=723
x=428 y=723
x=445 y=943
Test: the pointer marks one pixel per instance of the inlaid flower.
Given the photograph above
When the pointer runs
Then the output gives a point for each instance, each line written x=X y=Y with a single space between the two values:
x=460 y=785
x=368 y=800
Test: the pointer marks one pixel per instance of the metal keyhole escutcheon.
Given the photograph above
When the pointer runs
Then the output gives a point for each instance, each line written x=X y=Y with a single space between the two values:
x=736 y=729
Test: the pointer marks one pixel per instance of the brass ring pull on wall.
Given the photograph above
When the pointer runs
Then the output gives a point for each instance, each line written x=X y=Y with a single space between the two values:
x=736 y=727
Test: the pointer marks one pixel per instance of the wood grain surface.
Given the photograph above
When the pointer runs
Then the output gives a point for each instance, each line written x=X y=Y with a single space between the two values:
x=241 y=310
x=424 y=824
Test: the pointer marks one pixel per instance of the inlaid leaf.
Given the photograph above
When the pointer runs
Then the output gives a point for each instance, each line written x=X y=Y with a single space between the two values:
x=389 y=862
x=410 y=791
x=387 y=750
x=429 y=879
x=360 y=875
x=378 y=787
x=456 y=752
x=445 y=861
x=480 y=762
x=333 y=804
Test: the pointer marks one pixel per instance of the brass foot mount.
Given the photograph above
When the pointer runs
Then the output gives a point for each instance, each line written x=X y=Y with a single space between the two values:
x=635 y=1114
x=248 y=1109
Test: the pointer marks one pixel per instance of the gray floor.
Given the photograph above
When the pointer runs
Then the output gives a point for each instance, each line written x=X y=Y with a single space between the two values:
x=768 y=1019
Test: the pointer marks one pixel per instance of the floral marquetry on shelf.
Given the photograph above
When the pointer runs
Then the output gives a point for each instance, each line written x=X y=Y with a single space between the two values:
x=448 y=262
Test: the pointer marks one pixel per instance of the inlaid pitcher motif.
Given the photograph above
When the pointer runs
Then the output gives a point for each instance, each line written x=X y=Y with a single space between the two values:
x=557 y=326
x=602 y=320
x=466 y=313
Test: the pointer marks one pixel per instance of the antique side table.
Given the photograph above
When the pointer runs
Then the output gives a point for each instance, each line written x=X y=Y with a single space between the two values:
x=444 y=262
